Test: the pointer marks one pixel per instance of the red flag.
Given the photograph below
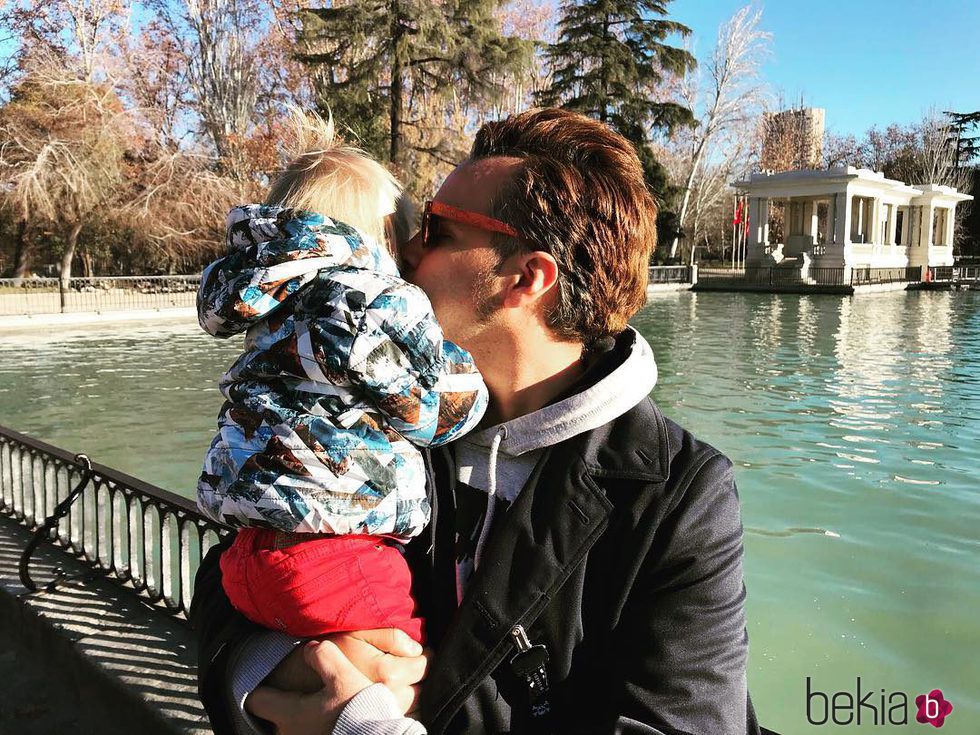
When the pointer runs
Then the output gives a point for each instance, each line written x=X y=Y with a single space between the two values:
x=738 y=213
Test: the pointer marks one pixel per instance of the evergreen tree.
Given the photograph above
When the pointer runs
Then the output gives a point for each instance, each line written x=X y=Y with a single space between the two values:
x=376 y=61
x=608 y=63
x=967 y=146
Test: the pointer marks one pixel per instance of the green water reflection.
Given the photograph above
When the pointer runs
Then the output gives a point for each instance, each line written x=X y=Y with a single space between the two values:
x=854 y=425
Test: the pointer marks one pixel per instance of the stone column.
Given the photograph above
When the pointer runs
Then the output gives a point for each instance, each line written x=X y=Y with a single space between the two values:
x=843 y=207
x=831 y=216
x=859 y=225
x=764 y=219
x=753 y=241
x=810 y=218
x=926 y=233
x=875 y=235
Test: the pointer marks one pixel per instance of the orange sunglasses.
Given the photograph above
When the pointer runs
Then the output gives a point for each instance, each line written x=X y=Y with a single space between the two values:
x=432 y=209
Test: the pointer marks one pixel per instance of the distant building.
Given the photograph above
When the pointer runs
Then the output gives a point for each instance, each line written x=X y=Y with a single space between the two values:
x=847 y=217
x=793 y=139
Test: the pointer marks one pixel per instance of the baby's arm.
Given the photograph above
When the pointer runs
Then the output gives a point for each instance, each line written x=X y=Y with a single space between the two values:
x=427 y=387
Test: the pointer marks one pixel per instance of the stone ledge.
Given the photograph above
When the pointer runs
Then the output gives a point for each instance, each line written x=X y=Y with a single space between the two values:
x=656 y=288
x=126 y=666
x=21 y=322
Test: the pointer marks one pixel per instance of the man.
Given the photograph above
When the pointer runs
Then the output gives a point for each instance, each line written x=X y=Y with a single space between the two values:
x=578 y=534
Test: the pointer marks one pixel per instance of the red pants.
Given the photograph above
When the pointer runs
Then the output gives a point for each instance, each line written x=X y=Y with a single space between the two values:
x=310 y=587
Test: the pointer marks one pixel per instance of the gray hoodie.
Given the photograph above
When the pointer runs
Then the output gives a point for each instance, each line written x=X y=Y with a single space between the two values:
x=497 y=460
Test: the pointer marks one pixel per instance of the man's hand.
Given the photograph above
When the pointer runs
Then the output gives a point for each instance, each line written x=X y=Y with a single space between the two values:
x=311 y=714
x=307 y=691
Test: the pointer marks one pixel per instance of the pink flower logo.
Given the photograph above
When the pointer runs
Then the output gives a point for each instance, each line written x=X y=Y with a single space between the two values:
x=933 y=708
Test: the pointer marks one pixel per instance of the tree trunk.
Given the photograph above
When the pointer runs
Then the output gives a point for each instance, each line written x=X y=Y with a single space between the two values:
x=68 y=255
x=695 y=162
x=22 y=255
x=604 y=109
x=397 y=87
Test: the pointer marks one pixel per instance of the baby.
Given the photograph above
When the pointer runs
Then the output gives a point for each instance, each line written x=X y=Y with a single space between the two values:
x=345 y=373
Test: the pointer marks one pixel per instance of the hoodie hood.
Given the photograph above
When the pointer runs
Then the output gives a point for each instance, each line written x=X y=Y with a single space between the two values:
x=500 y=459
x=606 y=399
x=272 y=253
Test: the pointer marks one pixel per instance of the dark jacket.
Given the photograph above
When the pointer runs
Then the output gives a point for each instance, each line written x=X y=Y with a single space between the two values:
x=623 y=559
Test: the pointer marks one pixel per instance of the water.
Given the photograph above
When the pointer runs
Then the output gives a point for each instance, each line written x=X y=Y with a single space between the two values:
x=854 y=425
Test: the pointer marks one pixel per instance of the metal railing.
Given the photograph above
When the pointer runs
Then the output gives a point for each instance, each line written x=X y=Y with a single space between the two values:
x=874 y=276
x=144 y=537
x=110 y=293
x=773 y=276
x=670 y=274
x=815 y=277
x=954 y=273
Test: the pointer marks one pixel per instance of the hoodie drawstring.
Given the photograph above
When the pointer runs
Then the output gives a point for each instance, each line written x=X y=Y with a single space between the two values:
x=491 y=494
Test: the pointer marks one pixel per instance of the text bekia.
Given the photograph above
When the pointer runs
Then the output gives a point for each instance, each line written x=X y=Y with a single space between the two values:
x=868 y=706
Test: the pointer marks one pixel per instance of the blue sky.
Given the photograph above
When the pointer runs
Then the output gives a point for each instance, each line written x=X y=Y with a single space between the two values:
x=866 y=62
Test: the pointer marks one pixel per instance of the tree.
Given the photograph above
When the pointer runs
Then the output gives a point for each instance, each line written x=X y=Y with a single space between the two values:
x=967 y=146
x=176 y=206
x=218 y=41
x=840 y=150
x=155 y=80
x=609 y=60
x=925 y=152
x=727 y=107
x=65 y=142
x=377 y=62
x=535 y=21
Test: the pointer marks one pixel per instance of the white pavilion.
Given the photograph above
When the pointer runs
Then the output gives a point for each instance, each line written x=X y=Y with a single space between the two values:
x=847 y=217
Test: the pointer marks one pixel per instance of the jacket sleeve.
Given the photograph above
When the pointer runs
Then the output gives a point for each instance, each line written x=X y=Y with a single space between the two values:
x=681 y=641
x=427 y=388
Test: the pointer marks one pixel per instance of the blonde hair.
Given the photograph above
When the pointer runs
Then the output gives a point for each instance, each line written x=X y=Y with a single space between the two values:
x=333 y=179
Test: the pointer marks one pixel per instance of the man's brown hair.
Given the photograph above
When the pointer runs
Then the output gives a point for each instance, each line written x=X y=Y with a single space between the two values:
x=579 y=195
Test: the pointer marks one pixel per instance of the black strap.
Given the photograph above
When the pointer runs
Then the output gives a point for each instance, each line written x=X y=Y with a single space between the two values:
x=60 y=511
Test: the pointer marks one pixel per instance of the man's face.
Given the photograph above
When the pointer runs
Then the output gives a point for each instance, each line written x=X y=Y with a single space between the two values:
x=457 y=270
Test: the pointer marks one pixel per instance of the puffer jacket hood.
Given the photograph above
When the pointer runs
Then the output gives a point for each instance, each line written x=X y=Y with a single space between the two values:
x=272 y=253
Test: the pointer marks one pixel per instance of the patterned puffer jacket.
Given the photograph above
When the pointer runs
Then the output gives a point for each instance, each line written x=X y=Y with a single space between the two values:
x=345 y=372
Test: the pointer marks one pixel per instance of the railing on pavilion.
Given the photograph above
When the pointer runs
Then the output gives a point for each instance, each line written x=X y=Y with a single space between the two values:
x=809 y=277
x=670 y=274
x=772 y=276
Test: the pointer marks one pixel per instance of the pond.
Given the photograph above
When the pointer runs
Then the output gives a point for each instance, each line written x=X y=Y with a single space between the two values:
x=854 y=425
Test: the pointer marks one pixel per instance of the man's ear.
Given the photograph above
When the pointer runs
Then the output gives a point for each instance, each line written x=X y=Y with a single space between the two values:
x=532 y=276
